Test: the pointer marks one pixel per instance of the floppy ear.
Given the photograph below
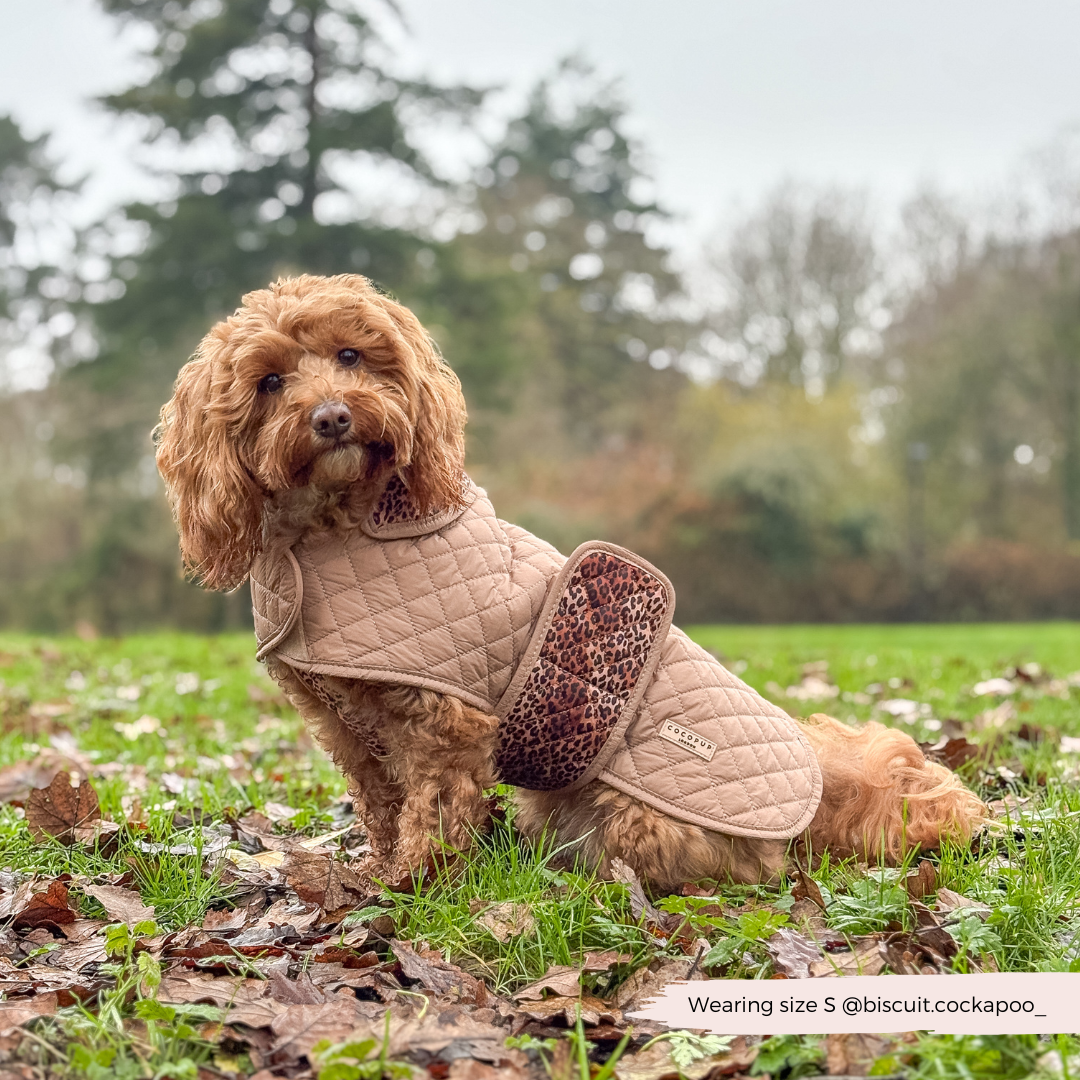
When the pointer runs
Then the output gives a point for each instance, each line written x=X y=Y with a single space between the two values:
x=434 y=471
x=215 y=502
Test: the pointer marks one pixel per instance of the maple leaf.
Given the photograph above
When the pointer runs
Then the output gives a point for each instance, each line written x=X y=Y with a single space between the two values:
x=318 y=879
x=62 y=811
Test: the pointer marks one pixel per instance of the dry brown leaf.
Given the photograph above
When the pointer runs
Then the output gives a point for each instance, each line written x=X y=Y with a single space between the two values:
x=565 y=980
x=806 y=888
x=290 y=912
x=793 y=953
x=14 y=1014
x=922 y=882
x=471 y=1069
x=645 y=983
x=52 y=907
x=504 y=921
x=561 y=979
x=854 y=1055
x=180 y=988
x=62 y=811
x=656 y=1064
x=76 y=956
x=435 y=974
x=864 y=959
x=947 y=900
x=300 y=1027
x=663 y=921
x=121 y=905
x=236 y=919
x=593 y=1010
x=318 y=879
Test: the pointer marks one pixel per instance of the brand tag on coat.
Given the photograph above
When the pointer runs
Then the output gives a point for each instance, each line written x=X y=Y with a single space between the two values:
x=688 y=740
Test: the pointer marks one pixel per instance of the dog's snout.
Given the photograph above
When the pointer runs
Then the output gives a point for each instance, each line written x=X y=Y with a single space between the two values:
x=331 y=419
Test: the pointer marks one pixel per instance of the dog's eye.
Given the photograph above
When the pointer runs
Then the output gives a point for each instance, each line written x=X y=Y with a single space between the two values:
x=349 y=357
x=271 y=384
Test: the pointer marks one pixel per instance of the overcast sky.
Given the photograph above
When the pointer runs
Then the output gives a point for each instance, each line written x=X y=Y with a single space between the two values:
x=728 y=96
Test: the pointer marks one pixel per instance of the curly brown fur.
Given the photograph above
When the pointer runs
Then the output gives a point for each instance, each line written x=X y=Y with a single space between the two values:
x=250 y=467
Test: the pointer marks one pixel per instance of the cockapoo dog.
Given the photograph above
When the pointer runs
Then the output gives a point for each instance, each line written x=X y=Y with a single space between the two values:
x=321 y=415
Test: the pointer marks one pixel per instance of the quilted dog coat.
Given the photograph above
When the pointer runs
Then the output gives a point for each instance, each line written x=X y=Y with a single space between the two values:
x=577 y=657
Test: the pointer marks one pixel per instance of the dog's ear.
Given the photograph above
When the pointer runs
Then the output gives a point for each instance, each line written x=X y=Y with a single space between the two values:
x=434 y=470
x=216 y=503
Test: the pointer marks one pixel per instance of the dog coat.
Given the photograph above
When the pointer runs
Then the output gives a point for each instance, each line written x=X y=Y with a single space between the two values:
x=576 y=656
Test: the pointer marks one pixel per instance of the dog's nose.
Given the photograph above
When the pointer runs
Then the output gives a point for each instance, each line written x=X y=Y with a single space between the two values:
x=331 y=419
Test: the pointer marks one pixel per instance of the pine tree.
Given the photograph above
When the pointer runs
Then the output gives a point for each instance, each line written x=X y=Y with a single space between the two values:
x=255 y=112
x=567 y=210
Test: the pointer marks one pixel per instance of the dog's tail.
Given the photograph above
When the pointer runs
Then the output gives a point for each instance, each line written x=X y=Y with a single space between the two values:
x=881 y=796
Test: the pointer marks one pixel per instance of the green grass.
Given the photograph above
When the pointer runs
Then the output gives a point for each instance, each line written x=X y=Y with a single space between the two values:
x=225 y=743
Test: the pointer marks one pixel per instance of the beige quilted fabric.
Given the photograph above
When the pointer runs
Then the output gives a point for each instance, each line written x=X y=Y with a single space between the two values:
x=451 y=610
x=454 y=610
x=763 y=779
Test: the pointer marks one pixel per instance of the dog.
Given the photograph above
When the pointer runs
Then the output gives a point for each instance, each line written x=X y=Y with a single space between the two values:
x=321 y=419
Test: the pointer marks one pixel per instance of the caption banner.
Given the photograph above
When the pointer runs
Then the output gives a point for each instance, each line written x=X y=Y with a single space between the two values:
x=1008 y=1003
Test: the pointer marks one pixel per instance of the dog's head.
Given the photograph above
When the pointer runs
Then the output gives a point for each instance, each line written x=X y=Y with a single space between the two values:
x=313 y=382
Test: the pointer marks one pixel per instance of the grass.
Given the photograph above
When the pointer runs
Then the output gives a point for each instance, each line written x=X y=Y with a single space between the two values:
x=182 y=732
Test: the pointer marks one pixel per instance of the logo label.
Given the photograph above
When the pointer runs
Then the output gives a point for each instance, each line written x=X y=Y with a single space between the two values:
x=688 y=740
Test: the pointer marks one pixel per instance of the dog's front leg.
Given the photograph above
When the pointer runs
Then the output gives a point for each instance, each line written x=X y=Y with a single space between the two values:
x=376 y=797
x=443 y=756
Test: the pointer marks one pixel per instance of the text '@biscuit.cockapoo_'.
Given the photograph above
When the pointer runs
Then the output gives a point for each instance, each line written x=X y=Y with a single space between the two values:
x=316 y=444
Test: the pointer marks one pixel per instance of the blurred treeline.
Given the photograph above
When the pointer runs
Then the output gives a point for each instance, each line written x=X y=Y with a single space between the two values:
x=823 y=419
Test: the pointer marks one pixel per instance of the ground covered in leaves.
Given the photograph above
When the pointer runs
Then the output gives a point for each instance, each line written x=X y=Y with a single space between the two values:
x=176 y=898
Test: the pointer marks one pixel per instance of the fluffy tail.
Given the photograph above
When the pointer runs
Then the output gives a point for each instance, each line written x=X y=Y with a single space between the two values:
x=881 y=797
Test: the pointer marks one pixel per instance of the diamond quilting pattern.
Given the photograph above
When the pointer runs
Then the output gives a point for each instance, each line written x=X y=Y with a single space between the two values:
x=454 y=610
x=764 y=779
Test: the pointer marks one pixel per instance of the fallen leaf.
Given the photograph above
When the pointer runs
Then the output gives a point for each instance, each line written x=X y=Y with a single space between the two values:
x=947 y=900
x=562 y=979
x=179 y=988
x=225 y=920
x=299 y=1027
x=864 y=959
x=435 y=974
x=922 y=882
x=121 y=905
x=49 y=908
x=318 y=879
x=62 y=811
x=471 y=1069
x=648 y=982
x=566 y=1009
x=504 y=921
x=806 y=888
x=952 y=752
x=14 y=1014
x=279 y=811
x=565 y=979
x=854 y=1055
x=793 y=953
x=664 y=921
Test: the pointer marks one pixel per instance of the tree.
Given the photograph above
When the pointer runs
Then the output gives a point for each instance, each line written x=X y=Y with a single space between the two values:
x=799 y=291
x=567 y=210
x=259 y=116
x=39 y=249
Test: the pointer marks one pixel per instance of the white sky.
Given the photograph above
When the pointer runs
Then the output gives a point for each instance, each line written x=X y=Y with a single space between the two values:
x=728 y=96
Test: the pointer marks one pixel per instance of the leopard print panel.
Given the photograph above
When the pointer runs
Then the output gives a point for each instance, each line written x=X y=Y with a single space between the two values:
x=331 y=693
x=593 y=654
x=396 y=506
